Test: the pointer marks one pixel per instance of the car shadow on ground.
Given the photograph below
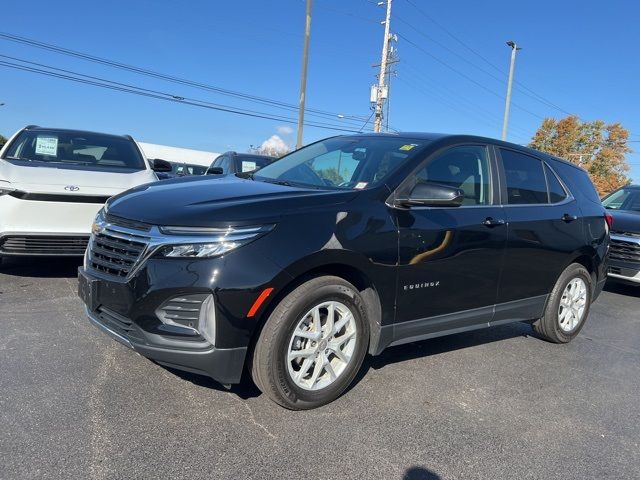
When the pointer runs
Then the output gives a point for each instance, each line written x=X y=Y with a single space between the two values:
x=621 y=288
x=246 y=388
x=420 y=473
x=44 y=267
x=444 y=344
x=41 y=267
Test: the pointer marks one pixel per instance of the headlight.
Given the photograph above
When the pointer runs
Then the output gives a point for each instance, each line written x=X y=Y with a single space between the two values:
x=207 y=242
x=5 y=188
x=98 y=222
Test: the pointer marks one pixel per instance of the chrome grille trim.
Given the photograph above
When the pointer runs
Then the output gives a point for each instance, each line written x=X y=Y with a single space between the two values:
x=119 y=250
x=625 y=248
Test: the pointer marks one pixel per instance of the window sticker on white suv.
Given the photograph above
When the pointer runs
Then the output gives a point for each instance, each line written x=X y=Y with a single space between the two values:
x=46 y=145
x=248 y=166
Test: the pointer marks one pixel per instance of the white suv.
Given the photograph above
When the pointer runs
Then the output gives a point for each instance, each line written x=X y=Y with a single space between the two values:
x=53 y=182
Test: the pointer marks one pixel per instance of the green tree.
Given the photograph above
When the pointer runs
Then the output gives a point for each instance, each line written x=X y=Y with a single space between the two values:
x=598 y=147
x=3 y=140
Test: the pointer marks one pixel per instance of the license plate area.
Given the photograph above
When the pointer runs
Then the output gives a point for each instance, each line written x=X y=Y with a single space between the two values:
x=88 y=290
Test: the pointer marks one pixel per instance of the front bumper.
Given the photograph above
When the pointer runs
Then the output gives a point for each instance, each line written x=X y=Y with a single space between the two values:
x=624 y=271
x=222 y=364
x=36 y=228
x=133 y=310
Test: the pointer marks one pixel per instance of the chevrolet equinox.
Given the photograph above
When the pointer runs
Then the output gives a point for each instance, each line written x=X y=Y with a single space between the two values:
x=345 y=247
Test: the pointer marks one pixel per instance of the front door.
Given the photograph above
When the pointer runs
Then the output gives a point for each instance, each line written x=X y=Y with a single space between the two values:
x=450 y=258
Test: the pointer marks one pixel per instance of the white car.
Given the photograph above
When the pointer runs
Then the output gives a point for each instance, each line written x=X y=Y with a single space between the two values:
x=53 y=182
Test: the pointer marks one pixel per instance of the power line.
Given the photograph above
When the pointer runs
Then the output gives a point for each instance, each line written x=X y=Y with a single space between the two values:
x=167 y=77
x=453 y=96
x=447 y=102
x=155 y=92
x=531 y=93
x=464 y=75
x=164 y=96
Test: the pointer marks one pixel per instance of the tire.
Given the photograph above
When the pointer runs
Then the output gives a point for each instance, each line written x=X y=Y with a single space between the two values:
x=271 y=368
x=559 y=328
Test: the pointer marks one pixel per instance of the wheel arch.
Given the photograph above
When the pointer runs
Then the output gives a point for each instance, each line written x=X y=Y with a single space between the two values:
x=347 y=270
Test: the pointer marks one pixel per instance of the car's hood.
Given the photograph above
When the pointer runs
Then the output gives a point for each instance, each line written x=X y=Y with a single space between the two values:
x=220 y=201
x=45 y=179
x=625 y=221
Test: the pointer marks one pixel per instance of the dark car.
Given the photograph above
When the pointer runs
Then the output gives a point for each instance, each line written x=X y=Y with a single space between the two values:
x=232 y=162
x=624 y=206
x=342 y=248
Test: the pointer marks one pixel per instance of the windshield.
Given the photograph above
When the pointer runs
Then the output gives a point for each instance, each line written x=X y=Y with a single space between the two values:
x=342 y=162
x=623 y=199
x=59 y=148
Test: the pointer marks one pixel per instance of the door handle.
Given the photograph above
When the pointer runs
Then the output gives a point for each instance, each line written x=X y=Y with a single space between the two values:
x=492 y=222
x=569 y=218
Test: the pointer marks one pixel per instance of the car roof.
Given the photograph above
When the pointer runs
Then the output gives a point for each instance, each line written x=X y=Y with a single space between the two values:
x=33 y=128
x=252 y=155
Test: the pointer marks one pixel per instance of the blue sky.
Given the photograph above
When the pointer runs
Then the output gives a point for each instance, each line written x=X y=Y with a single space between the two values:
x=581 y=56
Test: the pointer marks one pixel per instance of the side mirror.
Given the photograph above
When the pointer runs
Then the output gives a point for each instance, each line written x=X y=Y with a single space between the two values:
x=433 y=195
x=161 y=166
x=215 y=171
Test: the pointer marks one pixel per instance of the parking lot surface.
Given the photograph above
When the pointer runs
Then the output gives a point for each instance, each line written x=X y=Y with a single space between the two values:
x=496 y=403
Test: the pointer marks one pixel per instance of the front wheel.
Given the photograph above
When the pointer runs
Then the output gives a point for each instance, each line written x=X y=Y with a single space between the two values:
x=568 y=306
x=312 y=345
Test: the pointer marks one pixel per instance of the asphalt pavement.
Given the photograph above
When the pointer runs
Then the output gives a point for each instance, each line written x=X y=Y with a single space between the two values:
x=491 y=404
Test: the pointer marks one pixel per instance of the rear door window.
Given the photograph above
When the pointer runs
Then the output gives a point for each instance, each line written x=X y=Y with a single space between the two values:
x=524 y=177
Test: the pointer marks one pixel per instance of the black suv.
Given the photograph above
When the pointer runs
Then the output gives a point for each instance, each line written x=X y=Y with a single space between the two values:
x=232 y=162
x=624 y=206
x=342 y=248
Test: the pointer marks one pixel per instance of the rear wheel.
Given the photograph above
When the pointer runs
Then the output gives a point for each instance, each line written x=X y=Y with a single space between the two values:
x=568 y=306
x=312 y=345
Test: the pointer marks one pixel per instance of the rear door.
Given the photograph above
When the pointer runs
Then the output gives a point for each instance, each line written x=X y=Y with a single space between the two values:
x=450 y=258
x=544 y=229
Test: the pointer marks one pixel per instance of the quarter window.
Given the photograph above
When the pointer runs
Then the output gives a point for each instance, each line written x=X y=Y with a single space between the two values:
x=464 y=167
x=556 y=190
x=525 y=179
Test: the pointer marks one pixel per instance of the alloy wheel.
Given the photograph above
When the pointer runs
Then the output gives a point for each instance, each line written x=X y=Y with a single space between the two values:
x=322 y=345
x=572 y=304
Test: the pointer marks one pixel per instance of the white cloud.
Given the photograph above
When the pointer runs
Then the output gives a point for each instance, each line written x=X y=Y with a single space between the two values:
x=284 y=130
x=274 y=145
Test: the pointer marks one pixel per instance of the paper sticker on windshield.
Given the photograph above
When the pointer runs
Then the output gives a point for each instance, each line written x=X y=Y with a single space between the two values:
x=47 y=146
x=248 y=166
x=408 y=147
x=360 y=185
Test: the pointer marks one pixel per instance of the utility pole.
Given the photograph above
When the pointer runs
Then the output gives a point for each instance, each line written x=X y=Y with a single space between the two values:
x=382 y=78
x=507 y=104
x=393 y=59
x=303 y=77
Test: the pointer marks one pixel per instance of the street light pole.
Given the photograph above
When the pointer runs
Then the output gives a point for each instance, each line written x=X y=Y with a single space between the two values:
x=507 y=104
x=303 y=77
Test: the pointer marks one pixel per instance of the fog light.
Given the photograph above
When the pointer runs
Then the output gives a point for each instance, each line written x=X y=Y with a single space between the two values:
x=189 y=315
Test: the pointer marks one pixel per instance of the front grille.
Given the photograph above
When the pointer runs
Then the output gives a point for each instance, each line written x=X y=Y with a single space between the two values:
x=625 y=250
x=115 y=250
x=119 y=324
x=44 y=245
x=125 y=222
